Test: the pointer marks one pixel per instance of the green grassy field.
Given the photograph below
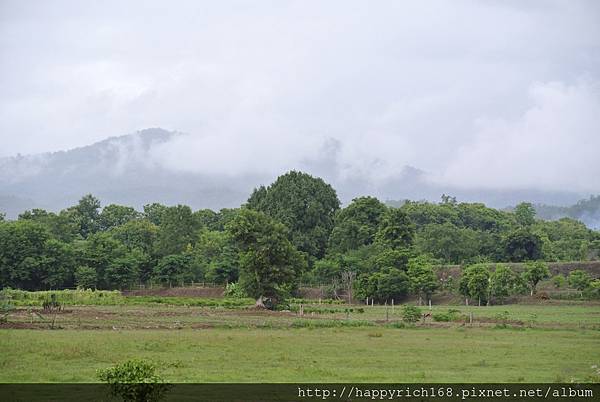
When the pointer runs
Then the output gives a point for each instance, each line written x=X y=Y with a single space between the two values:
x=531 y=343
x=320 y=355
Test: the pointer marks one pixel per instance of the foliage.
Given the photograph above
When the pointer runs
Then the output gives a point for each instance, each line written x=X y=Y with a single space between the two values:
x=117 y=246
x=304 y=204
x=85 y=277
x=525 y=214
x=88 y=297
x=448 y=242
x=383 y=286
x=217 y=257
x=86 y=215
x=522 y=245
x=356 y=225
x=268 y=260
x=559 y=281
x=503 y=282
x=423 y=280
x=451 y=315
x=474 y=282
x=396 y=231
x=173 y=269
x=178 y=230
x=411 y=313
x=114 y=215
x=579 y=279
x=534 y=273
x=234 y=290
x=135 y=380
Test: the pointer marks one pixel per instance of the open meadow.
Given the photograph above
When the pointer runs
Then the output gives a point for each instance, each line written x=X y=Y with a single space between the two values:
x=227 y=340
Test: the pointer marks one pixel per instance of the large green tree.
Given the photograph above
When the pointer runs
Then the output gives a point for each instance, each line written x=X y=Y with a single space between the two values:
x=269 y=262
x=304 y=204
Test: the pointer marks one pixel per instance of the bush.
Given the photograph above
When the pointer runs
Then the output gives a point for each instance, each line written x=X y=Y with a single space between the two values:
x=134 y=380
x=411 y=313
x=451 y=315
x=235 y=291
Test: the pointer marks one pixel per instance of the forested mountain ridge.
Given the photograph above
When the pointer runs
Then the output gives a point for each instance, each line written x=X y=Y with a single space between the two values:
x=130 y=170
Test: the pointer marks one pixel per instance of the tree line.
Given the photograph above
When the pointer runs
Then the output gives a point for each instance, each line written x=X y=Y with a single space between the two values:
x=292 y=231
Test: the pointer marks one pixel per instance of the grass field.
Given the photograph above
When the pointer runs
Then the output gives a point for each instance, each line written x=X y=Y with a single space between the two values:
x=547 y=342
x=320 y=355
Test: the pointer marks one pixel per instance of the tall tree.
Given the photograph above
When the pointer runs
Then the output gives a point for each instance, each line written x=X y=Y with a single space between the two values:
x=304 y=204
x=268 y=260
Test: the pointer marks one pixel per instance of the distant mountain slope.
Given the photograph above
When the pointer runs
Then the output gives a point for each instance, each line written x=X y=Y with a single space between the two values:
x=126 y=170
x=118 y=169
x=587 y=211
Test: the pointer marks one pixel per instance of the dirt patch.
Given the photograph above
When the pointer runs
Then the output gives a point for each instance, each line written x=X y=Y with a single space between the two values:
x=18 y=325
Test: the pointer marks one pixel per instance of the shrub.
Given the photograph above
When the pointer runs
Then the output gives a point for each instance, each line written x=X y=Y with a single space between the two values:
x=451 y=315
x=134 y=380
x=411 y=313
x=235 y=291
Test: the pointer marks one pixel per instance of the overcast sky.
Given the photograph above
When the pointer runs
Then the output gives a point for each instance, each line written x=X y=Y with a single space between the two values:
x=501 y=94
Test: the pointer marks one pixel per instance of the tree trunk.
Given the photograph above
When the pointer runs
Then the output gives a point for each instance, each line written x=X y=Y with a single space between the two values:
x=260 y=302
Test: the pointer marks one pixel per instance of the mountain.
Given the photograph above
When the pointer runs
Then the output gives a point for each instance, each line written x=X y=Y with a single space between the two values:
x=587 y=211
x=116 y=170
x=126 y=170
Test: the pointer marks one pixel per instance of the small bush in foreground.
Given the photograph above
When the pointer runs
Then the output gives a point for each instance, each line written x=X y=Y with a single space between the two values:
x=134 y=380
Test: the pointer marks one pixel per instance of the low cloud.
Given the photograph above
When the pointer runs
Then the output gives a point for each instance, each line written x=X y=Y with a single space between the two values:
x=553 y=144
x=492 y=94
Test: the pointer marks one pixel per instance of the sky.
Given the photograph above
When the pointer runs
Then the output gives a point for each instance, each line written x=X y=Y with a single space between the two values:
x=478 y=94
